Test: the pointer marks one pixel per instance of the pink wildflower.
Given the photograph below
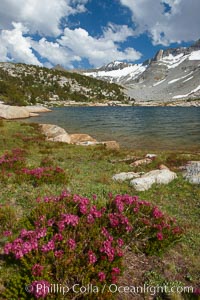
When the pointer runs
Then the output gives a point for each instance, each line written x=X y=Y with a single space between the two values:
x=91 y=257
x=40 y=288
x=71 y=243
x=37 y=270
x=101 y=276
x=159 y=236
x=59 y=253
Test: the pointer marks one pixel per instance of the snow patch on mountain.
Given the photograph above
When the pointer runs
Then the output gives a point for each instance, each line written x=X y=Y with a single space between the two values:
x=133 y=71
x=172 y=61
x=177 y=79
x=188 y=79
x=195 y=55
x=157 y=83
x=184 y=96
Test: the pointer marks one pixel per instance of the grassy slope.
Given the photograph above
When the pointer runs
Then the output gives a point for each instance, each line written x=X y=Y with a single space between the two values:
x=90 y=170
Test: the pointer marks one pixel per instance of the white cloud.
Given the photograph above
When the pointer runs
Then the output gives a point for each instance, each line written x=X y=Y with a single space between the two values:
x=181 y=23
x=55 y=53
x=14 y=44
x=38 y=16
x=99 y=50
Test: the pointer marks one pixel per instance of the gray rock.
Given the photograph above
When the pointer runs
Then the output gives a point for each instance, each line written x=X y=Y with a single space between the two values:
x=55 y=133
x=144 y=161
x=151 y=156
x=13 y=112
x=156 y=176
x=126 y=176
x=192 y=173
x=36 y=109
x=81 y=138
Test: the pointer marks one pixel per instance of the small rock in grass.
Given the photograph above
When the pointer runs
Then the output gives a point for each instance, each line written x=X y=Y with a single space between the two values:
x=156 y=176
x=192 y=173
x=140 y=162
x=126 y=176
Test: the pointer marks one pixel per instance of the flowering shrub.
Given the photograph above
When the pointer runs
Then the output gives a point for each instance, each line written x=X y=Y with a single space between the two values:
x=145 y=227
x=68 y=240
x=13 y=160
x=39 y=175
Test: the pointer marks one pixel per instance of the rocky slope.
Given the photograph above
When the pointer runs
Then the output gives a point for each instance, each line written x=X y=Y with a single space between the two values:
x=173 y=74
x=22 y=84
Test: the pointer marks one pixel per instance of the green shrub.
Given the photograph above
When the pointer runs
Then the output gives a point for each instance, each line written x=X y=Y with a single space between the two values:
x=69 y=241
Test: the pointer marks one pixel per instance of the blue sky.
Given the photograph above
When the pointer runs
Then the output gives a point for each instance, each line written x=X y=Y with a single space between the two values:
x=91 y=33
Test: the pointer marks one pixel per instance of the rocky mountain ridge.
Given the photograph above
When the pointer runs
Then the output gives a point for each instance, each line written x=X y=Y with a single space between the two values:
x=170 y=75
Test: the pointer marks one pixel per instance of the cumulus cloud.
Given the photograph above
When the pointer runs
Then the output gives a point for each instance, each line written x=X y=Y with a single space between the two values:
x=180 y=22
x=39 y=16
x=72 y=46
x=99 y=50
x=13 y=44
x=55 y=53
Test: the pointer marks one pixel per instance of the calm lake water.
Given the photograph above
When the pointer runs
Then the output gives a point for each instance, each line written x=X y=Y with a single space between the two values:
x=133 y=127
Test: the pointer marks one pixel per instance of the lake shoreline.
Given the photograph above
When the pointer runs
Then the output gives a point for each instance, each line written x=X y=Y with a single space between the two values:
x=150 y=103
x=164 y=128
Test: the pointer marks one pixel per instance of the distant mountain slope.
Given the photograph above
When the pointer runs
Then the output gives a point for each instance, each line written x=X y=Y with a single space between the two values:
x=172 y=74
x=23 y=84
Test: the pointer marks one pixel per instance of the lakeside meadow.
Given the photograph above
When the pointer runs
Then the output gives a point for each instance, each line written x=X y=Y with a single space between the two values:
x=63 y=220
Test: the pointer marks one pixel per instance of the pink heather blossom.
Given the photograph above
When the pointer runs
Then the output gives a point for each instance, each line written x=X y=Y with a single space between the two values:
x=120 y=242
x=107 y=234
x=58 y=237
x=40 y=288
x=197 y=291
x=70 y=219
x=90 y=219
x=95 y=213
x=94 y=197
x=108 y=249
x=116 y=271
x=176 y=230
x=83 y=208
x=37 y=270
x=114 y=279
x=91 y=257
x=119 y=252
x=101 y=276
x=7 y=233
x=61 y=225
x=7 y=248
x=136 y=209
x=157 y=213
x=71 y=243
x=114 y=219
x=59 y=253
x=48 y=247
x=159 y=236
x=50 y=222
x=42 y=232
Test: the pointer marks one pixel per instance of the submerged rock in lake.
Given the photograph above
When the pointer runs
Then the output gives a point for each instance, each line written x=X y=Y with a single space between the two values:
x=192 y=173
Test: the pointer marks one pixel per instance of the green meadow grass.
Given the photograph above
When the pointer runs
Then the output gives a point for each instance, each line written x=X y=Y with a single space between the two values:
x=89 y=171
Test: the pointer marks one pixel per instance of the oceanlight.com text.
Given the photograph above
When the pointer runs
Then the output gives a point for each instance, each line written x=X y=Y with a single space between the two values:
x=112 y=288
